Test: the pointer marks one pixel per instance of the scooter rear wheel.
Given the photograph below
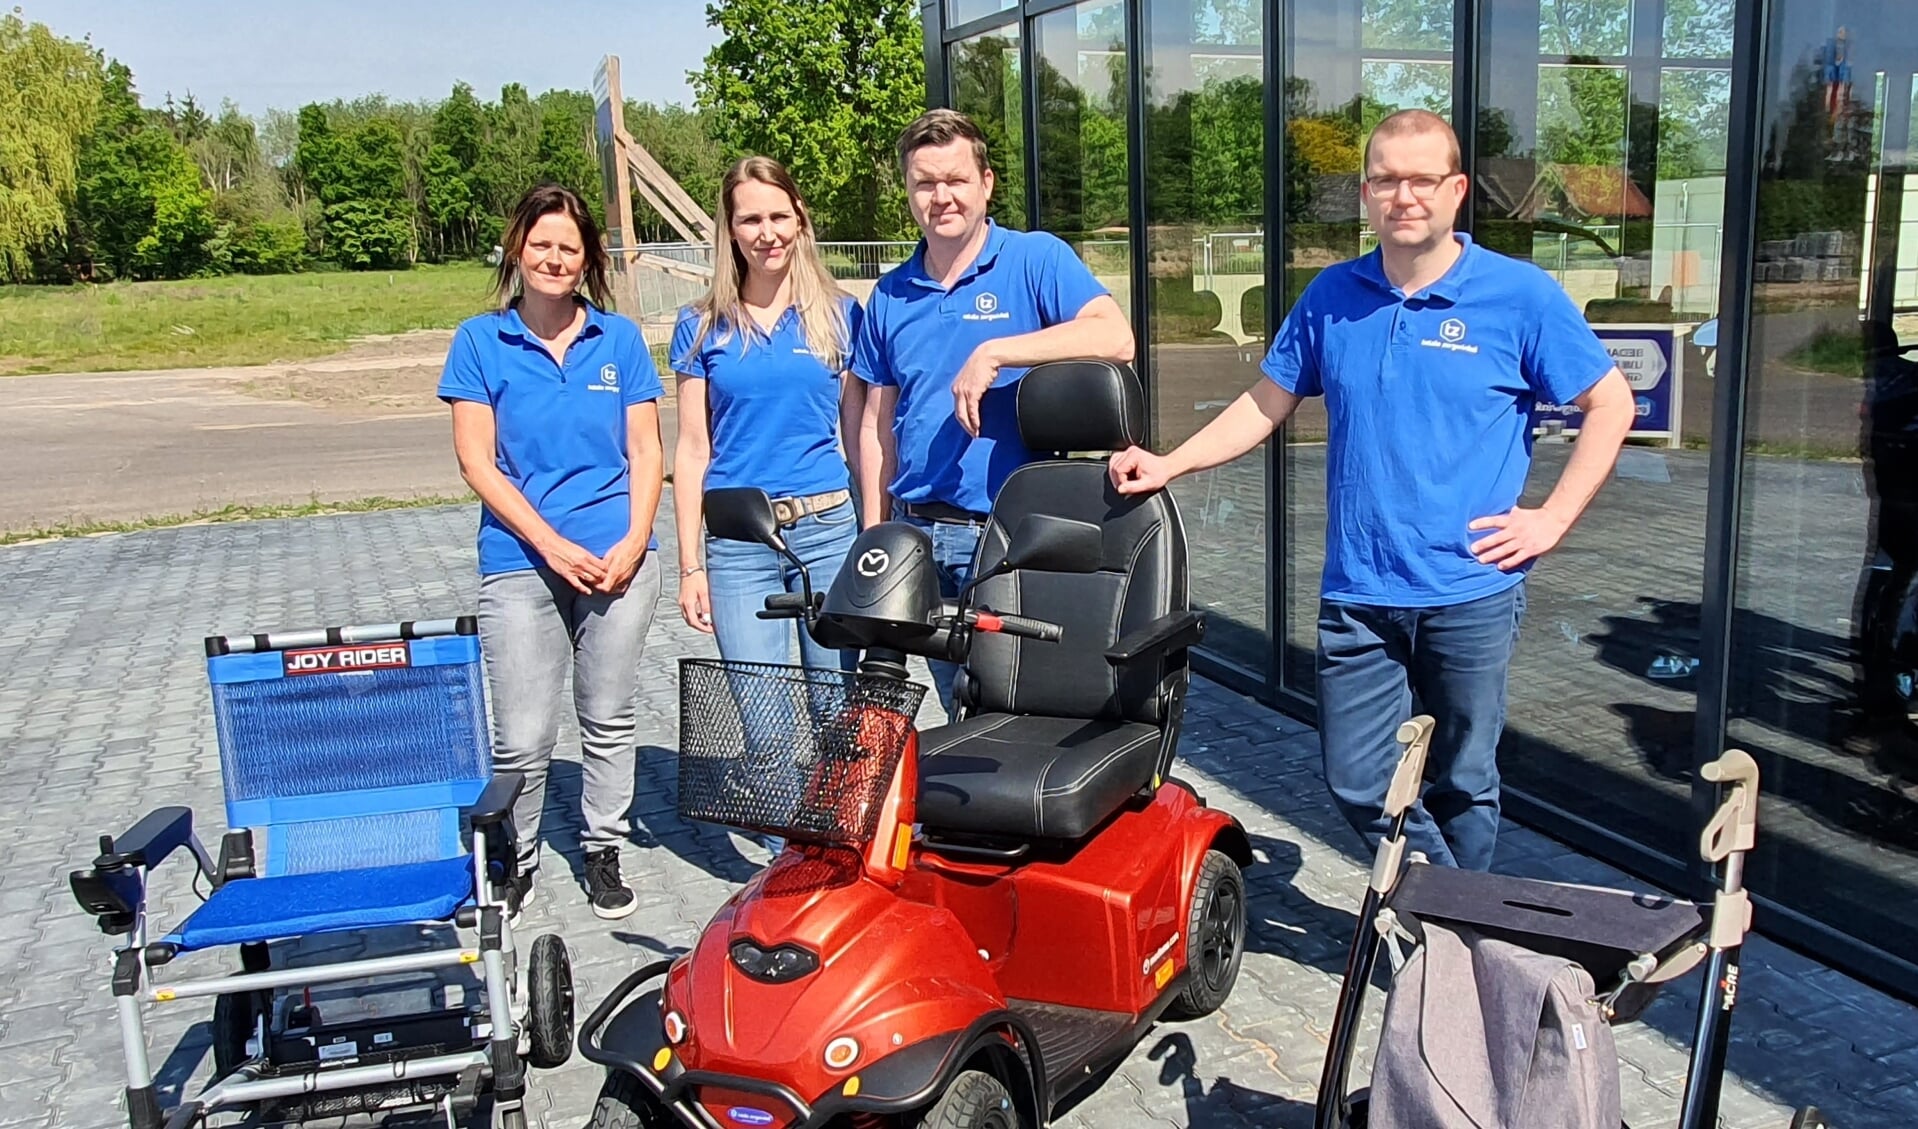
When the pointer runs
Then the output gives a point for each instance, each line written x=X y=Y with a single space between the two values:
x=625 y=1103
x=1215 y=938
x=975 y=1100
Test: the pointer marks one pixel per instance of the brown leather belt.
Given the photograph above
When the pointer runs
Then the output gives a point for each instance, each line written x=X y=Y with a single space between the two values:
x=790 y=510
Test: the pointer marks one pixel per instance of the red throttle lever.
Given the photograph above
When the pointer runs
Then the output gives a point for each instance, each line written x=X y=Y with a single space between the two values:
x=1025 y=628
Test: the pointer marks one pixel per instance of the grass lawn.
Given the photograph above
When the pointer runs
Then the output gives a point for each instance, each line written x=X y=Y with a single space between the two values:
x=236 y=320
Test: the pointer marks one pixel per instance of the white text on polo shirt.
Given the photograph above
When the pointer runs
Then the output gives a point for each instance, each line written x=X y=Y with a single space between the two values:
x=1452 y=337
x=608 y=380
x=988 y=309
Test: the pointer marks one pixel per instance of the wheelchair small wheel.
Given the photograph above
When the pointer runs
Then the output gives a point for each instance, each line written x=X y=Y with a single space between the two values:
x=549 y=1003
x=1215 y=938
x=625 y=1103
x=235 y=1016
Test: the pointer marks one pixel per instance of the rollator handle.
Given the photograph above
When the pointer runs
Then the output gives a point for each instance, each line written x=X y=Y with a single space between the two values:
x=1734 y=826
x=1416 y=736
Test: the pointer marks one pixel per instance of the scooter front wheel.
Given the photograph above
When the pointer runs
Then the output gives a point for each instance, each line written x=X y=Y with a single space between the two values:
x=625 y=1103
x=975 y=1100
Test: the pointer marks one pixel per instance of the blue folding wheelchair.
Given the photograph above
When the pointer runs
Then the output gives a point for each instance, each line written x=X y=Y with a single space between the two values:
x=359 y=758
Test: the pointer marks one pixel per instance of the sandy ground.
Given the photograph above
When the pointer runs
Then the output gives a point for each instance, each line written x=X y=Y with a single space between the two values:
x=93 y=447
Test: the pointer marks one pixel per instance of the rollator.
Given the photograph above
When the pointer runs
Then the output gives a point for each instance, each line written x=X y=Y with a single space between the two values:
x=1504 y=989
x=360 y=796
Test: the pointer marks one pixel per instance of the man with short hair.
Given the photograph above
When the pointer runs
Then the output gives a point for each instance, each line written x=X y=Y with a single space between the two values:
x=946 y=337
x=1431 y=353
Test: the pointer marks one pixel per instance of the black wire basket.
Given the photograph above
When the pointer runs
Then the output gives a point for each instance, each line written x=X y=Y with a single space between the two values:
x=800 y=753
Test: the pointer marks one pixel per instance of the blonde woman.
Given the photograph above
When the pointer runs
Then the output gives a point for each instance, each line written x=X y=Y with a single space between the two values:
x=763 y=401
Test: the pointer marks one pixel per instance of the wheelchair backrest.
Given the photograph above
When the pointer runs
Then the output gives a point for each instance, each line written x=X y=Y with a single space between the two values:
x=351 y=754
x=1086 y=408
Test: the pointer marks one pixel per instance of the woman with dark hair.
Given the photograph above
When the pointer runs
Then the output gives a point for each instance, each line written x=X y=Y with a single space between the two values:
x=556 y=426
x=763 y=401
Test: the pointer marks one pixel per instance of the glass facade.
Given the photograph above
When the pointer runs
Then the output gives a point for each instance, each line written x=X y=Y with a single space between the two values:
x=1749 y=575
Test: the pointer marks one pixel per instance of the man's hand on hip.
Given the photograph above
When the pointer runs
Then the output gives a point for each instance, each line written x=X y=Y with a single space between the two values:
x=1522 y=535
x=970 y=386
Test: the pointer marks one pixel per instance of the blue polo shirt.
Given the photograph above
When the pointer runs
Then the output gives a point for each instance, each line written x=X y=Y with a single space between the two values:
x=561 y=429
x=917 y=335
x=1430 y=400
x=772 y=406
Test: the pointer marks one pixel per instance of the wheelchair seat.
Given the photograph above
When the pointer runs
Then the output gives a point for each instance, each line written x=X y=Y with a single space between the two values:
x=300 y=905
x=1056 y=737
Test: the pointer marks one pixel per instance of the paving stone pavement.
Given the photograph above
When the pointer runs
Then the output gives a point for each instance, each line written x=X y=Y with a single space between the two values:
x=104 y=714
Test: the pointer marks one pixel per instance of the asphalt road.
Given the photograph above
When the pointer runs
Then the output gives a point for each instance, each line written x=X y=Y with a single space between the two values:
x=98 y=447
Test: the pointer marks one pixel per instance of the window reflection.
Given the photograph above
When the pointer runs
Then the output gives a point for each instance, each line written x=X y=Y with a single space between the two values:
x=1083 y=188
x=985 y=77
x=1821 y=677
x=1205 y=238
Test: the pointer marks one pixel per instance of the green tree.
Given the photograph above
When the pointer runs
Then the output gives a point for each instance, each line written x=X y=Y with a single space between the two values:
x=50 y=90
x=358 y=172
x=825 y=87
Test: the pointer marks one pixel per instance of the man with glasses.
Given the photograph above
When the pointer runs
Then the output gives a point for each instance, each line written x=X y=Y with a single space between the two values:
x=1431 y=353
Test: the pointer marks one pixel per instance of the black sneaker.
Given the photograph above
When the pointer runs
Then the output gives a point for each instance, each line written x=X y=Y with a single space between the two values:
x=519 y=895
x=610 y=897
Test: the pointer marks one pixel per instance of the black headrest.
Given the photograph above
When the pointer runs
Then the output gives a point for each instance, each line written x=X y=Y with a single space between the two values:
x=1081 y=406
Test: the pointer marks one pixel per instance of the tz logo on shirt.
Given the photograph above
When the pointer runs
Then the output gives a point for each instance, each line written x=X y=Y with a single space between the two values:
x=608 y=379
x=1451 y=338
x=987 y=307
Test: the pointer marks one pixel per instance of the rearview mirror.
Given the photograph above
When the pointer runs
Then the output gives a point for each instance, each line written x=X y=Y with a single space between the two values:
x=1055 y=544
x=743 y=513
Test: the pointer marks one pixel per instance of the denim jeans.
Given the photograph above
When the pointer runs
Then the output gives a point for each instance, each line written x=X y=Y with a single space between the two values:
x=534 y=628
x=953 y=547
x=740 y=576
x=1376 y=665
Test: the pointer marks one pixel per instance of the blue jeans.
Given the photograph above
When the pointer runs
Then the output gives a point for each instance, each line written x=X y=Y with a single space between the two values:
x=1373 y=663
x=741 y=575
x=953 y=546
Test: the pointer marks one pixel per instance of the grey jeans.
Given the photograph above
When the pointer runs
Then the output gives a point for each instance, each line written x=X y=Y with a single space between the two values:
x=533 y=628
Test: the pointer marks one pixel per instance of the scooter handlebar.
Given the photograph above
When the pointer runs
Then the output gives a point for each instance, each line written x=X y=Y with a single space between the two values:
x=1022 y=626
x=788 y=605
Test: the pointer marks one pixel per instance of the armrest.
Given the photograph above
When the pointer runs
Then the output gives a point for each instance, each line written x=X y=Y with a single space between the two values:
x=147 y=843
x=495 y=803
x=1173 y=632
x=113 y=889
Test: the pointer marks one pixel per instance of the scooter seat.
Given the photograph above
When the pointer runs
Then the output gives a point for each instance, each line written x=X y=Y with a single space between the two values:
x=1027 y=777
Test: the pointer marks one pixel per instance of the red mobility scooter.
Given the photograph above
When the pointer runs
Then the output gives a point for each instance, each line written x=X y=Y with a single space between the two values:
x=971 y=924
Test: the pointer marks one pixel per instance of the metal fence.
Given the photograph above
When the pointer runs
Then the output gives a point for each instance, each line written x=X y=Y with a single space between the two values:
x=653 y=280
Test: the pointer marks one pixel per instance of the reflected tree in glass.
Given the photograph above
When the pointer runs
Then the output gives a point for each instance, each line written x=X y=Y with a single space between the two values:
x=984 y=72
x=1585 y=27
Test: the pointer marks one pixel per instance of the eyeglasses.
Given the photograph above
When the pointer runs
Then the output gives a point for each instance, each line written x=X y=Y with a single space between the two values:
x=1423 y=187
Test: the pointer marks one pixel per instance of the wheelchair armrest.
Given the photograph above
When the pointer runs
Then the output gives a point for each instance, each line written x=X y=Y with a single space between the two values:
x=113 y=889
x=495 y=803
x=147 y=843
x=1173 y=632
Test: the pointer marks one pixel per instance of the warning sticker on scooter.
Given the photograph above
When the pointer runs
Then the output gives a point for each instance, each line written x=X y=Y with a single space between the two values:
x=335 y=1051
x=339 y=660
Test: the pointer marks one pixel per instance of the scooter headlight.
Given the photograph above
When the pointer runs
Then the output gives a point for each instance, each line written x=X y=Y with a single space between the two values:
x=781 y=964
x=675 y=1027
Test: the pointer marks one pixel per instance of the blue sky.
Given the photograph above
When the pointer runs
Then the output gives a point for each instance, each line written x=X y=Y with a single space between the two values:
x=267 y=54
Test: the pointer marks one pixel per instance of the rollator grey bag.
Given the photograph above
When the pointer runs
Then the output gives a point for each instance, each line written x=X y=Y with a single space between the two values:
x=1483 y=1034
